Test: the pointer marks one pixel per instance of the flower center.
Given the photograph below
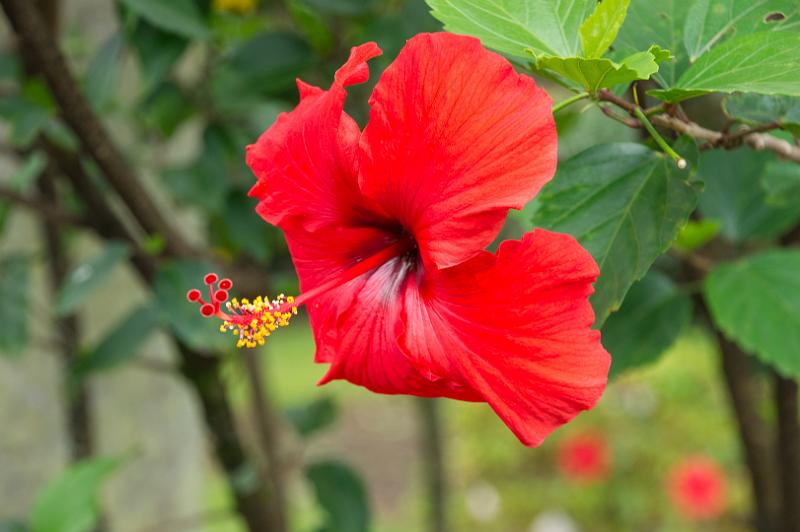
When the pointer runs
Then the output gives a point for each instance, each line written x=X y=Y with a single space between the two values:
x=253 y=321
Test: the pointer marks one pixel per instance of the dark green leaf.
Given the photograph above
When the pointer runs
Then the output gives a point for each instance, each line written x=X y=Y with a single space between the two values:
x=600 y=29
x=69 y=503
x=157 y=51
x=710 y=21
x=85 y=278
x=625 y=203
x=13 y=525
x=103 y=72
x=648 y=323
x=765 y=62
x=245 y=231
x=758 y=109
x=205 y=182
x=14 y=287
x=756 y=302
x=9 y=65
x=341 y=495
x=26 y=119
x=782 y=182
x=312 y=417
x=122 y=342
x=342 y=7
x=594 y=74
x=312 y=25
x=548 y=27
x=172 y=282
x=176 y=16
x=661 y=23
x=166 y=108
x=734 y=195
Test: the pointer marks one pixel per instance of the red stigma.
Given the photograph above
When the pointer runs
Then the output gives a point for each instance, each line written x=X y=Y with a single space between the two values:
x=225 y=284
x=210 y=278
x=193 y=295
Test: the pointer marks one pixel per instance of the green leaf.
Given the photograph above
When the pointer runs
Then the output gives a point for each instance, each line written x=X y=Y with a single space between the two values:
x=600 y=29
x=312 y=25
x=312 y=417
x=625 y=203
x=548 y=27
x=12 y=525
x=756 y=302
x=203 y=183
x=696 y=234
x=166 y=108
x=172 y=281
x=660 y=23
x=710 y=21
x=734 y=195
x=781 y=181
x=85 y=278
x=765 y=62
x=650 y=320
x=341 y=495
x=758 y=109
x=342 y=7
x=122 y=342
x=14 y=287
x=26 y=119
x=69 y=503
x=594 y=74
x=156 y=50
x=103 y=72
x=176 y=16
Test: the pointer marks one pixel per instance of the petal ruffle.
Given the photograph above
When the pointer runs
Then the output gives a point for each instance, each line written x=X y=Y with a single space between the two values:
x=306 y=162
x=455 y=138
x=516 y=327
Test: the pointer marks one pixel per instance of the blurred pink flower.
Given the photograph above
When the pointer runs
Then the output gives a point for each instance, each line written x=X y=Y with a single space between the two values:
x=584 y=457
x=697 y=487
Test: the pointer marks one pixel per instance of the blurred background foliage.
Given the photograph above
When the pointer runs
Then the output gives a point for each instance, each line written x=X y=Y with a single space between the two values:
x=183 y=86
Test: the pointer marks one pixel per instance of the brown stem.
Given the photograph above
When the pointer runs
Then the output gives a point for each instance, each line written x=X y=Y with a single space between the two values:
x=786 y=401
x=758 y=141
x=45 y=207
x=433 y=463
x=265 y=420
x=41 y=50
x=79 y=415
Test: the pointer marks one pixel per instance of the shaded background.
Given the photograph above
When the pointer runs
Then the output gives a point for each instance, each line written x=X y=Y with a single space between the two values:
x=182 y=104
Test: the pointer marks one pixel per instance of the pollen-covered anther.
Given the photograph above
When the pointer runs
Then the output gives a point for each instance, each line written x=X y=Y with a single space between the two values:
x=250 y=321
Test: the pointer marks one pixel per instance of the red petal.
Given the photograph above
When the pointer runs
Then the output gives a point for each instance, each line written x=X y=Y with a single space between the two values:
x=455 y=138
x=305 y=163
x=362 y=340
x=517 y=328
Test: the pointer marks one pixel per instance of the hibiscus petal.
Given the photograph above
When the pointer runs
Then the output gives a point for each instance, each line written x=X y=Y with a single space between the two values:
x=455 y=138
x=363 y=338
x=515 y=326
x=305 y=162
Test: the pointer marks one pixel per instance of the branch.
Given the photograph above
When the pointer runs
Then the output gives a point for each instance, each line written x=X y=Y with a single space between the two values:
x=753 y=138
x=431 y=448
x=45 y=207
x=45 y=58
x=788 y=452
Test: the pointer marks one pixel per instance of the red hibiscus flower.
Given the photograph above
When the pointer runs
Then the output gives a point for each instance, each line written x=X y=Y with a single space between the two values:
x=584 y=457
x=388 y=227
x=697 y=488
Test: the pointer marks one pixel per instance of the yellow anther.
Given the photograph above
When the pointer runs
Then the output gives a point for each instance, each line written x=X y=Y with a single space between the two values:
x=253 y=321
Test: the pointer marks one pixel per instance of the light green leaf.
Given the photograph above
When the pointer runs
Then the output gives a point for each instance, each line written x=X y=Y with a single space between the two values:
x=696 y=234
x=756 y=302
x=625 y=203
x=758 y=109
x=650 y=320
x=782 y=183
x=82 y=280
x=172 y=282
x=69 y=503
x=122 y=342
x=312 y=417
x=513 y=26
x=176 y=16
x=104 y=72
x=734 y=195
x=766 y=63
x=594 y=74
x=14 y=286
x=600 y=29
x=656 y=22
x=710 y=21
x=341 y=495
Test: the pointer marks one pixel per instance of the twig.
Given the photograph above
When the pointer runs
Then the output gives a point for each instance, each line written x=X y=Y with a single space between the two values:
x=433 y=463
x=45 y=207
x=786 y=398
x=569 y=101
x=758 y=141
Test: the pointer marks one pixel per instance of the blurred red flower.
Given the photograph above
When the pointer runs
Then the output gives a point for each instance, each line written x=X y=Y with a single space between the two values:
x=698 y=488
x=388 y=227
x=584 y=457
